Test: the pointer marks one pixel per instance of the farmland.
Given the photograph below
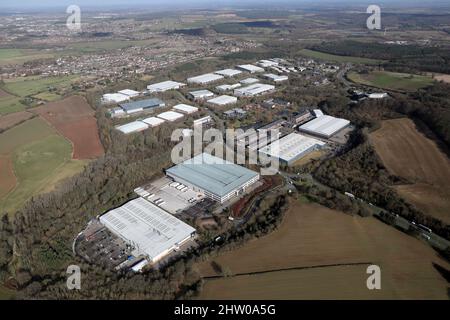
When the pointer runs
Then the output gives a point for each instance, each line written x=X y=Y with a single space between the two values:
x=18 y=56
x=74 y=119
x=391 y=80
x=10 y=120
x=9 y=103
x=409 y=154
x=29 y=86
x=342 y=59
x=327 y=252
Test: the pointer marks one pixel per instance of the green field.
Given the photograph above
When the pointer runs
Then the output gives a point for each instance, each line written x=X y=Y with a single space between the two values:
x=29 y=86
x=19 y=56
x=11 y=104
x=391 y=80
x=335 y=58
x=38 y=153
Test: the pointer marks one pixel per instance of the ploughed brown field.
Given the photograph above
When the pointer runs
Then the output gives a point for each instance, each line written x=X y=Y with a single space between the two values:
x=408 y=153
x=74 y=119
x=12 y=119
x=328 y=253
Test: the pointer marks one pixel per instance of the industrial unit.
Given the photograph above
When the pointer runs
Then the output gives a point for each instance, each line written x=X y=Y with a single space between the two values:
x=130 y=93
x=275 y=78
x=218 y=179
x=135 y=126
x=201 y=94
x=170 y=116
x=114 y=98
x=153 y=121
x=228 y=87
x=228 y=72
x=250 y=68
x=185 y=108
x=291 y=148
x=249 y=81
x=223 y=100
x=254 y=90
x=139 y=106
x=165 y=86
x=324 y=126
x=205 y=78
x=152 y=232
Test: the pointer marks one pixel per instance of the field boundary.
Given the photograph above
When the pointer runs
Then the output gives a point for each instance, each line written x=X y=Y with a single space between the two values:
x=351 y=264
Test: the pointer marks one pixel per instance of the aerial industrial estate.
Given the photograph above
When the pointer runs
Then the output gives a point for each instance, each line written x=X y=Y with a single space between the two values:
x=283 y=151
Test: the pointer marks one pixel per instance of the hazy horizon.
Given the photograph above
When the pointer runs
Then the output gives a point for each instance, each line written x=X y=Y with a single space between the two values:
x=186 y=4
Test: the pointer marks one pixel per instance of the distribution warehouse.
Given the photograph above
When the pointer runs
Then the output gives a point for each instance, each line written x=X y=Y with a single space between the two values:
x=205 y=78
x=152 y=231
x=218 y=179
x=324 y=126
x=165 y=86
x=291 y=148
x=139 y=106
x=254 y=90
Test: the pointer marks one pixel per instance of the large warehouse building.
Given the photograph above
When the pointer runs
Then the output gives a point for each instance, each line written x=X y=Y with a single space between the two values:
x=205 y=78
x=152 y=231
x=139 y=106
x=291 y=148
x=165 y=86
x=218 y=179
x=254 y=90
x=324 y=126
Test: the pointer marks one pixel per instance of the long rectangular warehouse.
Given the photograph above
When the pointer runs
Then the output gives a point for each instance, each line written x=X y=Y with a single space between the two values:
x=291 y=147
x=131 y=127
x=165 y=86
x=149 y=229
x=205 y=78
x=254 y=90
x=218 y=179
x=324 y=126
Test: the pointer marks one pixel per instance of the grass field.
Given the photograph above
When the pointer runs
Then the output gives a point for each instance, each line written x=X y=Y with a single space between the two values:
x=34 y=166
x=30 y=86
x=408 y=153
x=9 y=103
x=10 y=120
x=391 y=80
x=38 y=155
x=19 y=56
x=342 y=59
x=312 y=236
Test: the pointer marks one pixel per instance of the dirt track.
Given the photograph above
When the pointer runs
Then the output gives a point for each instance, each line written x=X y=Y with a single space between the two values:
x=74 y=119
x=409 y=154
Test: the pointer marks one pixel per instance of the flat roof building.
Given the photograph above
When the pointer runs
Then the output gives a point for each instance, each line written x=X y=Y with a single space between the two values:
x=228 y=72
x=150 y=230
x=131 y=127
x=129 y=93
x=324 y=126
x=275 y=78
x=170 y=116
x=185 y=108
x=291 y=148
x=218 y=179
x=249 y=81
x=203 y=121
x=223 y=100
x=267 y=63
x=254 y=90
x=114 y=98
x=205 y=78
x=228 y=87
x=153 y=121
x=201 y=94
x=250 y=68
x=165 y=86
x=139 y=106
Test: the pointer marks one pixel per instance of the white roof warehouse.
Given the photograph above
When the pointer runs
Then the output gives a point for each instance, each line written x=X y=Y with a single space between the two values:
x=165 y=86
x=324 y=126
x=218 y=179
x=291 y=147
x=205 y=78
x=254 y=90
x=152 y=231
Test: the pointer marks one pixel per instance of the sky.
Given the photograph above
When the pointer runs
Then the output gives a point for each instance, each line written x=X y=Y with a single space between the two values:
x=159 y=4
